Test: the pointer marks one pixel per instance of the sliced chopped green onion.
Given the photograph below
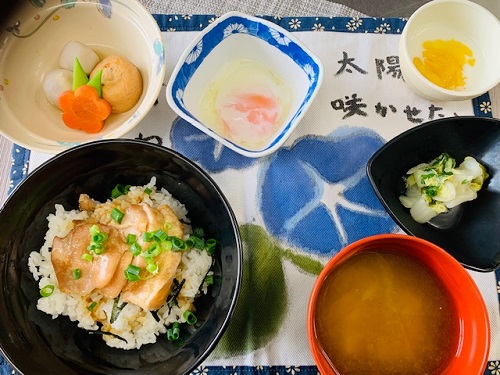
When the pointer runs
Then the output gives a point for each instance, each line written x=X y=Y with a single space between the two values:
x=131 y=238
x=157 y=236
x=148 y=191
x=94 y=229
x=132 y=273
x=190 y=242
x=98 y=249
x=209 y=279
x=210 y=246
x=88 y=257
x=47 y=290
x=152 y=251
x=93 y=246
x=167 y=245
x=92 y=306
x=117 y=215
x=198 y=232
x=152 y=268
x=174 y=332
x=97 y=239
x=176 y=327
x=178 y=244
x=170 y=334
x=119 y=189
x=160 y=236
x=147 y=236
x=77 y=273
x=136 y=249
x=195 y=242
x=190 y=317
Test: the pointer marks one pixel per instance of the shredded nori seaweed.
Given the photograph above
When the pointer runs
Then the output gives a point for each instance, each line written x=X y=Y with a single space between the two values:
x=117 y=309
x=172 y=298
x=108 y=333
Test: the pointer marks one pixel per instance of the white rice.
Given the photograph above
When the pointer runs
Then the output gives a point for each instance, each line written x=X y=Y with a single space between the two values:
x=135 y=325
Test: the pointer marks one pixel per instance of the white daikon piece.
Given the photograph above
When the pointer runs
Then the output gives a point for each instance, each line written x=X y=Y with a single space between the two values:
x=55 y=83
x=86 y=55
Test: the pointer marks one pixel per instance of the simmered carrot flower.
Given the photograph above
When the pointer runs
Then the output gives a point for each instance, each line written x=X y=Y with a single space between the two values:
x=83 y=109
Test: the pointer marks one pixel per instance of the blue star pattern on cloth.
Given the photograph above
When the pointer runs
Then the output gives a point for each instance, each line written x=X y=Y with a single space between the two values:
x=316 y=195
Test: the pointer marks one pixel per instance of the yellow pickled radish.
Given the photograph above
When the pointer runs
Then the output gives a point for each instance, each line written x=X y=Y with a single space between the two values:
x=443 y=62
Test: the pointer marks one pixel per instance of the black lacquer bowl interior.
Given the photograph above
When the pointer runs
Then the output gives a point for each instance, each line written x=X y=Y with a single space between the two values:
x=468 y=232
x=31 y=340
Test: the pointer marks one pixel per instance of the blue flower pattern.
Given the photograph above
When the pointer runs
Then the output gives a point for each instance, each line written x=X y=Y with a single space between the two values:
x=280 y=38
x=300 y=183
x=198 y=146
x=234 y=28
x=195 y=53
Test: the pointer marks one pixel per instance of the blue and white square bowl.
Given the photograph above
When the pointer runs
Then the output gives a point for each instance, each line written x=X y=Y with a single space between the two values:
x=239 y=36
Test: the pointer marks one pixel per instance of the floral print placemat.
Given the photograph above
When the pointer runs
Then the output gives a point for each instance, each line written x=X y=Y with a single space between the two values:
x=300 y=205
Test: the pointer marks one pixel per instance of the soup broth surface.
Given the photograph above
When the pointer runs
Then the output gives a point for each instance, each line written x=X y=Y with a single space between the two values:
x=380 y=312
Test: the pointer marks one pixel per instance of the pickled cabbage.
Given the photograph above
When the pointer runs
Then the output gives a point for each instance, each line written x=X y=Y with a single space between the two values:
x=435 y=187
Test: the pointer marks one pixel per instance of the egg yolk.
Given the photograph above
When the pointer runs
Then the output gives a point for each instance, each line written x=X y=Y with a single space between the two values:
x=443 y=62
x=250 y=116
x=258 y=108
x=246 y=102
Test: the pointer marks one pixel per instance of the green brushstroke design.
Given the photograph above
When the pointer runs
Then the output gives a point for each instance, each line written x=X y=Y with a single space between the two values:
x=263 y=299
x=303 y=262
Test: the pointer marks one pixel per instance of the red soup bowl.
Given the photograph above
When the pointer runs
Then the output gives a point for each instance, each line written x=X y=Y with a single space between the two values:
x=393 y=304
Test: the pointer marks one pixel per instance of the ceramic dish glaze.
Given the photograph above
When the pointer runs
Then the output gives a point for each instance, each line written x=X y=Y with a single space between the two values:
x=468 y=232
x=238 y=36
x=30 y=44
x=31 y=340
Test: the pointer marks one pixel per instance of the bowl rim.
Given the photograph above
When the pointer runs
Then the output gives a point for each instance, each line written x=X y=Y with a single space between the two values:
x=477 y=359
x=281 y=137
x=442 y=92
x=141 y=109
x=238 y=255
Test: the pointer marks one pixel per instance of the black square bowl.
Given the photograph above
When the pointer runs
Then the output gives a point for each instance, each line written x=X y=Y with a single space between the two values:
x=469 y=232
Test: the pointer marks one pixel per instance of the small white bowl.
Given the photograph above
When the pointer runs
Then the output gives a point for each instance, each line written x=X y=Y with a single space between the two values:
x=29 y=49
x=463 y=21
x=237 y=36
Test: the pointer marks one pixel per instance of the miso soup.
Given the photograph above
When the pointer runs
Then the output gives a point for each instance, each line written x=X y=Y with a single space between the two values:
x=380 y=312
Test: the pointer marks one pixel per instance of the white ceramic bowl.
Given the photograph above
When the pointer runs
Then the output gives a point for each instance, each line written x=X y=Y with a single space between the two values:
x=29 y=49
x=236 y=36
x=463 y=21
